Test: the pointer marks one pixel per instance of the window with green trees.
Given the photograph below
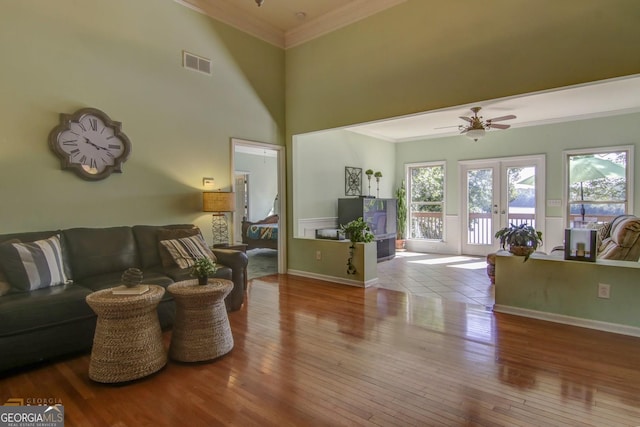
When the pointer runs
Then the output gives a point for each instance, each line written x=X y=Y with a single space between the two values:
x=426 y=201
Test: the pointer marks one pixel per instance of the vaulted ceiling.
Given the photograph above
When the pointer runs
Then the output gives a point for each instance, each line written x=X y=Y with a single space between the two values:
x=288 y=23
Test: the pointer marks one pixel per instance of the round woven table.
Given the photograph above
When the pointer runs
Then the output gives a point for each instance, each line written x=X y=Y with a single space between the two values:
x=201 y=330
x=127 y=344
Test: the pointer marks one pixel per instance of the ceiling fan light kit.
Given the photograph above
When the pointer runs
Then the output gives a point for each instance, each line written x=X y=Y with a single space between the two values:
x=475 y=134
x=477 y=128
x=259 y=2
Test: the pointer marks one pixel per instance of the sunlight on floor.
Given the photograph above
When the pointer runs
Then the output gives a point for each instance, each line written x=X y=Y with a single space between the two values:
x=401 y=254
x=480 y=265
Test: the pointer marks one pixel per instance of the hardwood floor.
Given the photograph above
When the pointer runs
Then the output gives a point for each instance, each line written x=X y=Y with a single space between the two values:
x=312 y=353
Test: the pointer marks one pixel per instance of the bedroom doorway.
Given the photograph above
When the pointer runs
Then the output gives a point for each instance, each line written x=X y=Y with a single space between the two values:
x=258 y=179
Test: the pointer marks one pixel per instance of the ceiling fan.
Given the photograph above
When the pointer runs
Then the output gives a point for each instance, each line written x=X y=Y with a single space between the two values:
x=477 y=127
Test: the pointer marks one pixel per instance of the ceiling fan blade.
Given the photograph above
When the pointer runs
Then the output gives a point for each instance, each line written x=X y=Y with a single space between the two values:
x=464 y=131
x=497 y=119
x=468 y=119
x=499 y=126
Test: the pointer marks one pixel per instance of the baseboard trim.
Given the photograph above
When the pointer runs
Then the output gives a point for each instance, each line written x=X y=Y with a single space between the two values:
x=332 y=279
x=569 y=320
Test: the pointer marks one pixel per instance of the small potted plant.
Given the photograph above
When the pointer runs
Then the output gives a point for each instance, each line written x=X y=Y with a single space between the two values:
x=203 y=269
x=357 y=231
x=401 y=215
x=522 y=239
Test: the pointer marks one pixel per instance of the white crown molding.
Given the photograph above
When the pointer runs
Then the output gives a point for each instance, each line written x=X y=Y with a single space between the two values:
x=338 y=18
x=236 y=18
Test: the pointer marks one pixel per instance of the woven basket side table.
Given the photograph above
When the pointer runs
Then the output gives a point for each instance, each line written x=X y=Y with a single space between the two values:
x=127 y=344
x=201 y=330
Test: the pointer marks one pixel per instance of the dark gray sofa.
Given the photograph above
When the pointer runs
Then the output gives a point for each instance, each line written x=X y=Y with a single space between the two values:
x=56 y=321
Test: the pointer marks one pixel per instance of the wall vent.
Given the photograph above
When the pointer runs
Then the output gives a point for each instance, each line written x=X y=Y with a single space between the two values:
x=196 y=63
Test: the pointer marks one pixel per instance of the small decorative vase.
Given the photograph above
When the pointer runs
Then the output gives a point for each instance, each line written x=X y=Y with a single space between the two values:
x=131 y=277
x=203 y=280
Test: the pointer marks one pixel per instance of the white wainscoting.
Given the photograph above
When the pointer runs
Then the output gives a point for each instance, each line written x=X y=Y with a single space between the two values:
x=553 y=236
x=553 y=233
x=307 y=226
x=450 y=246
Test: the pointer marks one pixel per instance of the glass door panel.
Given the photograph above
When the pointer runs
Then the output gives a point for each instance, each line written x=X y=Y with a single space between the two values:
x=480 y=187
x=497 y=193
x=521 y=195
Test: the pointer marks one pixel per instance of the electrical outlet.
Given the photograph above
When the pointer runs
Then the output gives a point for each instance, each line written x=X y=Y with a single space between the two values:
x=604 y=290
x=318 y=255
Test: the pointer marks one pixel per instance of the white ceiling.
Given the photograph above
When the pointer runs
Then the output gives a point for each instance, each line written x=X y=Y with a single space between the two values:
x=280 y=22
x=598 y=99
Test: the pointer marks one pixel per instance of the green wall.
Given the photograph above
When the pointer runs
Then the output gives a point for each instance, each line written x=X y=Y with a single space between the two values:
x=319 y=161
x=550 y=140
x=125 y=58
x=419 y=56
x=567 y=291
x=263 y=182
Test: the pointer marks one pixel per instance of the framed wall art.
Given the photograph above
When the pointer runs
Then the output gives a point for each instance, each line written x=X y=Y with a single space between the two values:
x=352 y=181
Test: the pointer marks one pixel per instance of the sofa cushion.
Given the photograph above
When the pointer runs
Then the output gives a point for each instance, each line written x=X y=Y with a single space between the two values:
x=172 y=234
x=186 y=250
x=5 y=287
x=95 y=251
x=147 y=239
x=22 y=312
x=623 y=242
x=33 y=265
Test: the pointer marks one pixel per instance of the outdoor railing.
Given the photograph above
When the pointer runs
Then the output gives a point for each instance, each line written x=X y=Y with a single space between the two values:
x=429 y=225
x=426 y=225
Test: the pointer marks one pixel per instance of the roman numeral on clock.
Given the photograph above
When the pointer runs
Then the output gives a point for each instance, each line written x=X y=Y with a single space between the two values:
x=94 y=124
x=114 y=146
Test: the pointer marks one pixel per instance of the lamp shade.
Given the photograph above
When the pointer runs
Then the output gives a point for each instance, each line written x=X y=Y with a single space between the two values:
x=213 y=201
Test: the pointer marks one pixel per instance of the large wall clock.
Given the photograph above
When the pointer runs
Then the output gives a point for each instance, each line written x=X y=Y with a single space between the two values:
x=90 y=143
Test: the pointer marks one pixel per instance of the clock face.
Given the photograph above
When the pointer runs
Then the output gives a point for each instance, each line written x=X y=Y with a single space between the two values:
x=90 y=143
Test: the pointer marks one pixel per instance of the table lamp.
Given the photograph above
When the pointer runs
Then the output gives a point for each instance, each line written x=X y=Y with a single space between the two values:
x=219 y=203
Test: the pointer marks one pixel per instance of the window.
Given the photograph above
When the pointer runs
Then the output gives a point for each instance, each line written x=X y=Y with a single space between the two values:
x=598 y=184
x=426 y=201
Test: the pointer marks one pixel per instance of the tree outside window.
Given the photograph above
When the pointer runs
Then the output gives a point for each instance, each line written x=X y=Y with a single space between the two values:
x=426 y=201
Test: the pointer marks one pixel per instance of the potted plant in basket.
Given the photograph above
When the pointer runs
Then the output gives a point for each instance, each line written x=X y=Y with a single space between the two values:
x=203 y=269
x=522 y=239
x=401 y=215
x=357 y=231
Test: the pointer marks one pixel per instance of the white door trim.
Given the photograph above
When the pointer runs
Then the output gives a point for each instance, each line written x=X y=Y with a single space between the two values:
x=282 y=194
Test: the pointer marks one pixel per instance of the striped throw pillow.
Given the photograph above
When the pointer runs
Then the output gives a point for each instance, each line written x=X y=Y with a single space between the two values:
x=187 y=250
x=34 y=265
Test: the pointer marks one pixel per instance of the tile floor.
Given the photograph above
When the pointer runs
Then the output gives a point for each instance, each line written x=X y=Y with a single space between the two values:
x=460 y=278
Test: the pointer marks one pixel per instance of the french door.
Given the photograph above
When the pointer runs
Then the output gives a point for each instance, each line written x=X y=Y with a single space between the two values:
x=496 y=193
